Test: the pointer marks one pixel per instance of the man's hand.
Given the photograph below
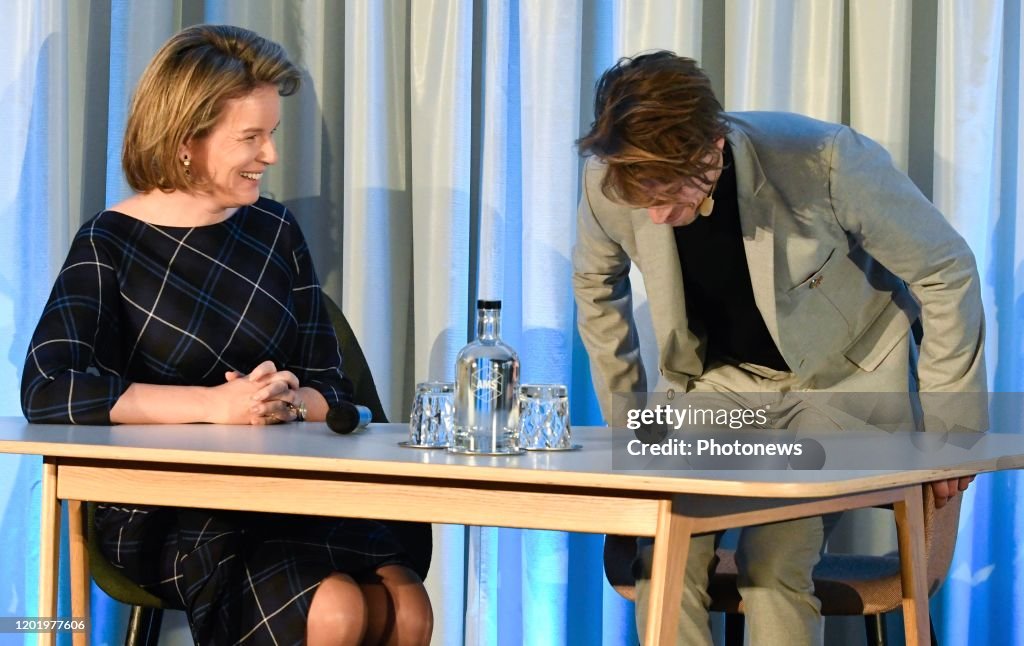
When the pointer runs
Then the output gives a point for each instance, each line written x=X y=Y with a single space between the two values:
x=944 y=490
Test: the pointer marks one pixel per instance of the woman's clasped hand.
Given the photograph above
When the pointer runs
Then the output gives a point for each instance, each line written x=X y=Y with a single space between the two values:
x=264 y=396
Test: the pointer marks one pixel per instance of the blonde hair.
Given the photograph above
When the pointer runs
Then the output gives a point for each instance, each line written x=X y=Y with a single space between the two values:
x=182 y=94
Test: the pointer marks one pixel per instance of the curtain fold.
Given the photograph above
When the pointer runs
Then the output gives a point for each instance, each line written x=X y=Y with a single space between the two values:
x=496 y=219
x=674 y=25
x=376 y=262
x=33 y=104
x=549 y=32
x=967 y=185
x=152 y=23
x=784 y=55
x=430 y=160
x=879 y=93
x=440 y=131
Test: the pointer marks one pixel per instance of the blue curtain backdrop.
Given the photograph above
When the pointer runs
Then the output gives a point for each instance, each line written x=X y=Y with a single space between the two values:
x=429 y=158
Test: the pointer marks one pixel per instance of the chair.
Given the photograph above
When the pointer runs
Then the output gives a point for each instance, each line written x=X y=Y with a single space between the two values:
x=147 y=609
x=846 y=584
x=416 y=538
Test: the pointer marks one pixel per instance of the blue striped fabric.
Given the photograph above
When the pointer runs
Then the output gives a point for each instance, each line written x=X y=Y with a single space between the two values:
x=136 y=302
x=179 y=306
x=243 y=578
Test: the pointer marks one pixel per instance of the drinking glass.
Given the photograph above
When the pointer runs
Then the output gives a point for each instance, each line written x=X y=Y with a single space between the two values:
x=544 y=418
x=430 y=422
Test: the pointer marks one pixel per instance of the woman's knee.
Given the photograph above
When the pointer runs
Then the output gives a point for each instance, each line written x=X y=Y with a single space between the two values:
x=415 y=618
x=338 y=612
x=399 y=608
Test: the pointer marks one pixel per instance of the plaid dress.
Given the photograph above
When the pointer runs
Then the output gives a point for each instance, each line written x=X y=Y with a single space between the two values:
x=137 y=302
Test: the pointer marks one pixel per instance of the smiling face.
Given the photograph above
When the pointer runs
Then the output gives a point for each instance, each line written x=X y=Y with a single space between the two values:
x=231 y=159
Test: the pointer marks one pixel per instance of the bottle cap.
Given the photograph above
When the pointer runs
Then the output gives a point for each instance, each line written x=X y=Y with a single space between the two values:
x=488 y=305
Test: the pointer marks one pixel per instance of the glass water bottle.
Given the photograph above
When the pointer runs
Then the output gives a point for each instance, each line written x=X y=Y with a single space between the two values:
x=486 y=389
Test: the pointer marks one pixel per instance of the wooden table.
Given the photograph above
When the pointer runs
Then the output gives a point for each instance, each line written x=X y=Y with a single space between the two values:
x=304 y=468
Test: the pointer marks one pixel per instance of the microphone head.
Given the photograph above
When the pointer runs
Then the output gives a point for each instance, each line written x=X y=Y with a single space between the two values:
x=343 y=418
x=707 y=205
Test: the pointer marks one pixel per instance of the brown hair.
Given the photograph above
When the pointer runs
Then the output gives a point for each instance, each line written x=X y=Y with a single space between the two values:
x=182 y=94
x=656 y=121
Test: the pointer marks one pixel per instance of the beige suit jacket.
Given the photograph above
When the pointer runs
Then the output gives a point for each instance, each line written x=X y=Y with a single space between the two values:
x=844 y=254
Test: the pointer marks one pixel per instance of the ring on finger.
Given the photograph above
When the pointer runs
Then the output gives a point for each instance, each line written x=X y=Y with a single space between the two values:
x=298 y=409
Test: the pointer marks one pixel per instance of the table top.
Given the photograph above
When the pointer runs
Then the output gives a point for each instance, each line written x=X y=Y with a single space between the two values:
x=851 y=462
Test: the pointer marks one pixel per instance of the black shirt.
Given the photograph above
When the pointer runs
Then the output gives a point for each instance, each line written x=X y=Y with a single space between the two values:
x=719 y=298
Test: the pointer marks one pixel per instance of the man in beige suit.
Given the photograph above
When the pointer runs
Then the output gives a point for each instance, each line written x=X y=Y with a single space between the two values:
x=815 y=258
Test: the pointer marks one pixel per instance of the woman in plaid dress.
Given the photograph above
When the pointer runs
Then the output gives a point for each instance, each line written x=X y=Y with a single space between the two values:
x=195 y=300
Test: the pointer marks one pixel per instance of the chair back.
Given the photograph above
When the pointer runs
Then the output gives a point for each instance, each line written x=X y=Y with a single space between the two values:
x=109 y=578
x=416 y=538
x=353 y=362
x=940 y=530
x=619 y=552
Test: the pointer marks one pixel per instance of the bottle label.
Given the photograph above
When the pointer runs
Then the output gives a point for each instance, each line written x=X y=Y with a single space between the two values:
x=487 y=384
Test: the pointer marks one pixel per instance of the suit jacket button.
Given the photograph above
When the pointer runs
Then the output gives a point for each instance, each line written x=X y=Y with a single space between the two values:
x=815 y=282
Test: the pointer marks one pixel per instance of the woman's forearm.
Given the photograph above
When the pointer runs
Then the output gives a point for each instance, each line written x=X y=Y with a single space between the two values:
x=157 y=404
x=234 y=402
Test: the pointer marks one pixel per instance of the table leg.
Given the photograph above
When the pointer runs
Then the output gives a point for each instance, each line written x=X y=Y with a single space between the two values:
x=668 y=570
x=913 y=565
x=49 y=545
x=79 y=564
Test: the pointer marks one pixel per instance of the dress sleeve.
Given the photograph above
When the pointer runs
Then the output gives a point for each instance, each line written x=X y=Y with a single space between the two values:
x=317 y=358
x=71 y=373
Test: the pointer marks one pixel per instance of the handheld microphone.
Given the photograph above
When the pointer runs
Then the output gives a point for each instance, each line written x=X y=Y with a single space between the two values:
x=347 y=417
